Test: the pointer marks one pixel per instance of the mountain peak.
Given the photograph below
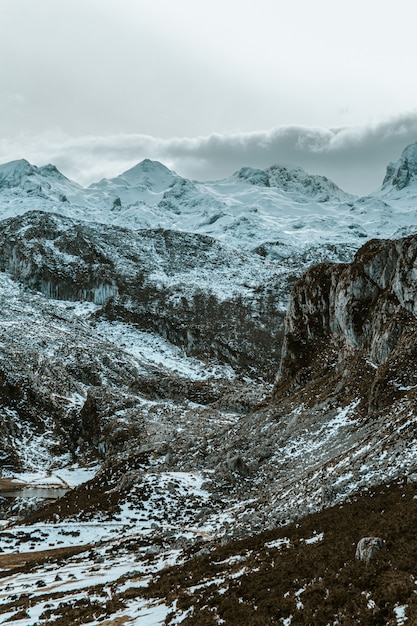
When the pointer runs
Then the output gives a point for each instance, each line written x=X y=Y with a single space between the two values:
x=148 y=174
x=147 y=167
x=13 y=172
x=51 y=171
x=404 y=171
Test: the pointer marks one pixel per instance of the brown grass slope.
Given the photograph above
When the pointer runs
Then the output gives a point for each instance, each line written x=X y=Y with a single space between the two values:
x=263 y=585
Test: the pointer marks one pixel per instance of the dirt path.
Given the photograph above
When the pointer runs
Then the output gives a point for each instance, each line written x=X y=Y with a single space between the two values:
x=9 y=484
x=11 y=561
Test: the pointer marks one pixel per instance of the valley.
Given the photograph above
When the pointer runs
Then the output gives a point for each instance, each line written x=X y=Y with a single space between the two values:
x=217 y=382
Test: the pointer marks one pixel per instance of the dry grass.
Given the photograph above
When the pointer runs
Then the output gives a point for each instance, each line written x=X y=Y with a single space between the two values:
x=264 y=586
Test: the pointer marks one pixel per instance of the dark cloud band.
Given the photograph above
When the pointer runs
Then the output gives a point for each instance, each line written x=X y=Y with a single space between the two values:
x=354 y=157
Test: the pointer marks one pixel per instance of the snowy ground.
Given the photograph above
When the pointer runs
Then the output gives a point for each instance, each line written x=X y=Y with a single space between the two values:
x=152 y=349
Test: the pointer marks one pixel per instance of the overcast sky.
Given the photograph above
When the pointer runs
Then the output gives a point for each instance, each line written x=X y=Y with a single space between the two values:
x=207 y=87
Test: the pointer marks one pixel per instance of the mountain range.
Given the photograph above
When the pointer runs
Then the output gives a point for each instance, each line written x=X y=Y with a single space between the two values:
x=280 y=205
x=219 y=377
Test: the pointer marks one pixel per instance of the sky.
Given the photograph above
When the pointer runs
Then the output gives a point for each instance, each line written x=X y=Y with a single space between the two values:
x=207 y=87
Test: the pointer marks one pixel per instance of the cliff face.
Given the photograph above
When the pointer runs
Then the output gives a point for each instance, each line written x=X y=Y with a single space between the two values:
x=353 y=326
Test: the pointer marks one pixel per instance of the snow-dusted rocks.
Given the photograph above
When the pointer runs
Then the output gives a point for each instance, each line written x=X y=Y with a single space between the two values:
x=253 y=176
x=206 y=297
x=143 y=351
x=49 y=360
x=298 y=181
x=403 y=173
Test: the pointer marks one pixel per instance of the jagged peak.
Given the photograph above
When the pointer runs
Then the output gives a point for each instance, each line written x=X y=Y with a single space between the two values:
x=403 y=172
x=51 y=170
x=293 y=180
x=15 y=173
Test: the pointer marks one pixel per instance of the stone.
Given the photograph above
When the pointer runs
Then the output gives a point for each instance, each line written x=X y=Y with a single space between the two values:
x=237 y=464
x=368 y=548
x=328 y=494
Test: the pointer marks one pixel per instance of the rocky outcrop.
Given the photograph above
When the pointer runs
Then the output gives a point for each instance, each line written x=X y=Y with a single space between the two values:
x=402 y=173
x=347 y=321
x=51 y=365
x=296 y=180
x=67 y=392
x=368 y=548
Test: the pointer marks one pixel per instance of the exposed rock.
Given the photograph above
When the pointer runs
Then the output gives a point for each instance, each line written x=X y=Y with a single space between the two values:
x=359 y=317
x=328 y=494
x=127 y=481
x=404 y=171
x=237 y=464
x=308 y=185
x=111 y=420
x=253 y=176
x=368 y=548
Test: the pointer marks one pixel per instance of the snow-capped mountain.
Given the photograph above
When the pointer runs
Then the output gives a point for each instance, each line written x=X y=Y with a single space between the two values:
x=248 y=209
x=21 y=180
x=245 y=210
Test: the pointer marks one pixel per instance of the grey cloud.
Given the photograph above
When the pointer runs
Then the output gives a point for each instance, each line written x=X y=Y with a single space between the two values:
x=355 y=157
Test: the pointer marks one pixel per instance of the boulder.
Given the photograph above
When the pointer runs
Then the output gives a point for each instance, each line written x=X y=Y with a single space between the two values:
x=237 y=465
x=368 y=548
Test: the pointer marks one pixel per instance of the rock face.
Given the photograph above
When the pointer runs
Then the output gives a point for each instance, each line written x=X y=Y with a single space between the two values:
x=209 y=299
x=368 y=548
x=343 y=316
x=62 y=386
